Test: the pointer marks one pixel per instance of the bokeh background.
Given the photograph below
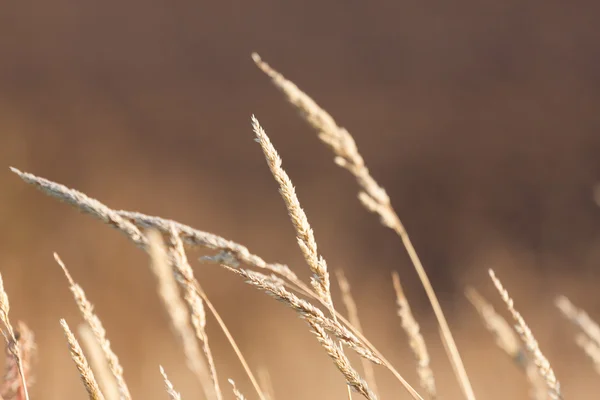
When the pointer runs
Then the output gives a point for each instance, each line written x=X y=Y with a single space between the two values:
x=479 y=118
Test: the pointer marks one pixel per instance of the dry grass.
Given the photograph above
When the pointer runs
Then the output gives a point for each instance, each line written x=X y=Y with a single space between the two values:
x=173 y=395
x=178 y=313
x=238 y=395
x=304 y=233
x=98 y=363
x=185 y=301
x=542 y=363
x=81 y=362
x=507 y=340
x=415 y=339
x=191 y=294
x=372 y=196
x=87 y=311
x=15 y=382
x=589 y=337
x=352 y=310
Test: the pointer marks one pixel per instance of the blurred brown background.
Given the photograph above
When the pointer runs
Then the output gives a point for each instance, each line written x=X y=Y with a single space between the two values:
x=479 y=118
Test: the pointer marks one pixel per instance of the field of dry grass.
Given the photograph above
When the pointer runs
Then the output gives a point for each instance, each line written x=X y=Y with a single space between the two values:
x=478 y=118
x=336 y=325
